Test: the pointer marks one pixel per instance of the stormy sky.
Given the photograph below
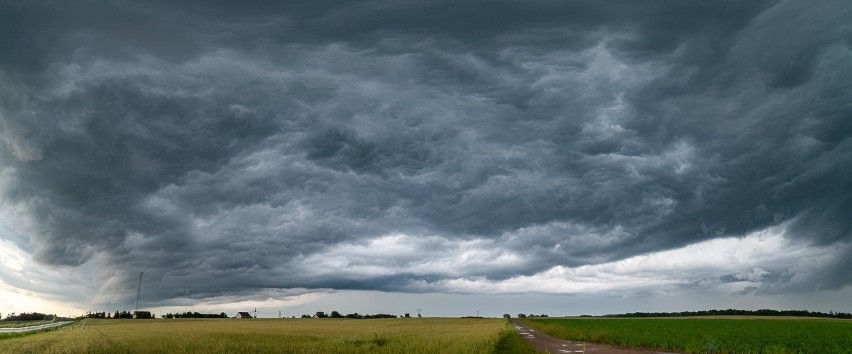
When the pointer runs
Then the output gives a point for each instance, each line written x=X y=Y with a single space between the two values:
x=385 y=155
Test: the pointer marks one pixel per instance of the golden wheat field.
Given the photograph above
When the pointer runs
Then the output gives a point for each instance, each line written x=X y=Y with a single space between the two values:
x=424 y=335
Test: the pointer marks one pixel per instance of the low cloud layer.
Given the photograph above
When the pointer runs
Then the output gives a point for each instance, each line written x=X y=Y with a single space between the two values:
x=380 y=145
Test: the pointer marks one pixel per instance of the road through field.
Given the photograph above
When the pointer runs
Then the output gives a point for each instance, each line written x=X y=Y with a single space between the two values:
x=551 y=344
x=33 y=328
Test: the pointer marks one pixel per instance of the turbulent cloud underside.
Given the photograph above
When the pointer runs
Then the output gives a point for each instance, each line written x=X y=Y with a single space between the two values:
x=378 y=146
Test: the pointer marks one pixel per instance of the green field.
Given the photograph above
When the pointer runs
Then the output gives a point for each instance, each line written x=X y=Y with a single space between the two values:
x=424 y=335
x=708 y=335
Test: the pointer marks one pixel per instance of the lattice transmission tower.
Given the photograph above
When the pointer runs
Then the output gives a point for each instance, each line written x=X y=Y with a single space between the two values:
x=139 y=290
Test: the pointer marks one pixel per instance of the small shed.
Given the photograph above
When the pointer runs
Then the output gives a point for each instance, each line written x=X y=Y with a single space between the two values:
x=243 y=315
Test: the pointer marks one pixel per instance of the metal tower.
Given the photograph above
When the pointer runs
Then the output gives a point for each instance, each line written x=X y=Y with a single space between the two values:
x=139 y=290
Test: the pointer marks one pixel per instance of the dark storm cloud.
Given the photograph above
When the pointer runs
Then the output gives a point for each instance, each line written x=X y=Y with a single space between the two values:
x=222 y=147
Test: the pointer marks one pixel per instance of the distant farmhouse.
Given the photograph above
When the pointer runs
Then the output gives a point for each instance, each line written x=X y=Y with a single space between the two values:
x=243 y=315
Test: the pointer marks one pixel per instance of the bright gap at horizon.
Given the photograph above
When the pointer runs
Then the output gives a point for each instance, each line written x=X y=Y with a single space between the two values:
x=684 y=279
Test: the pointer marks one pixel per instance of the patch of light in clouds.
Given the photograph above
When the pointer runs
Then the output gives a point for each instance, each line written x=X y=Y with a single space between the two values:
x=26 y=286
x=411 y=255
x=722 y=266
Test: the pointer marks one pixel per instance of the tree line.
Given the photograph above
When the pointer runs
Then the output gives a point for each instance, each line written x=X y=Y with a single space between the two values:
x=110 y=315
x=733 y=312
x=129 y=315
x=28 y=316
x=520 y=315
x=335 y=314
x=189 y=314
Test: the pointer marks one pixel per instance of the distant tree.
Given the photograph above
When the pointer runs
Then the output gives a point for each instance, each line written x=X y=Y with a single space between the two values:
x=321 y=314
x=407 y=315
x=306 y=316
x=520 y=315
x=335 y=314
x=507 y=316
x=223 y=315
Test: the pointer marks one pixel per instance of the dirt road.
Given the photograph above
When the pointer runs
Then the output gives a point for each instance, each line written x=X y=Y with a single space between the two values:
x=550 y=344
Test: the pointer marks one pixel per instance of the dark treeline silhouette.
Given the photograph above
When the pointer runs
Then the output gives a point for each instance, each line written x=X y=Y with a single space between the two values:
x=520 y=315
x=120 y=315
x=335 y=314
x=96 y=315
x=29 y=316
x=732 y=312
x=189 y=314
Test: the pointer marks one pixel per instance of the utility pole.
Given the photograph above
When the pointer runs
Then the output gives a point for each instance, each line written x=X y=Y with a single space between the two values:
x=139 y=290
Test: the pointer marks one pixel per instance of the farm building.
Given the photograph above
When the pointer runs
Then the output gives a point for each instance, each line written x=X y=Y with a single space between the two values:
x=142 y=314
x=243 y=315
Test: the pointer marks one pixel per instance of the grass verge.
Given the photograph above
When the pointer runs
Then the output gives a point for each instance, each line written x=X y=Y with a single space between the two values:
x=512 y=343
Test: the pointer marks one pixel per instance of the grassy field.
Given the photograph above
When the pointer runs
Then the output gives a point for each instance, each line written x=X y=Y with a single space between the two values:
x=759 y=335
x=426 y=335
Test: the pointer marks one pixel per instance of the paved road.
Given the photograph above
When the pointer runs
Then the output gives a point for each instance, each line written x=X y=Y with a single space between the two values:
x=33 y=328
x=550 y=344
